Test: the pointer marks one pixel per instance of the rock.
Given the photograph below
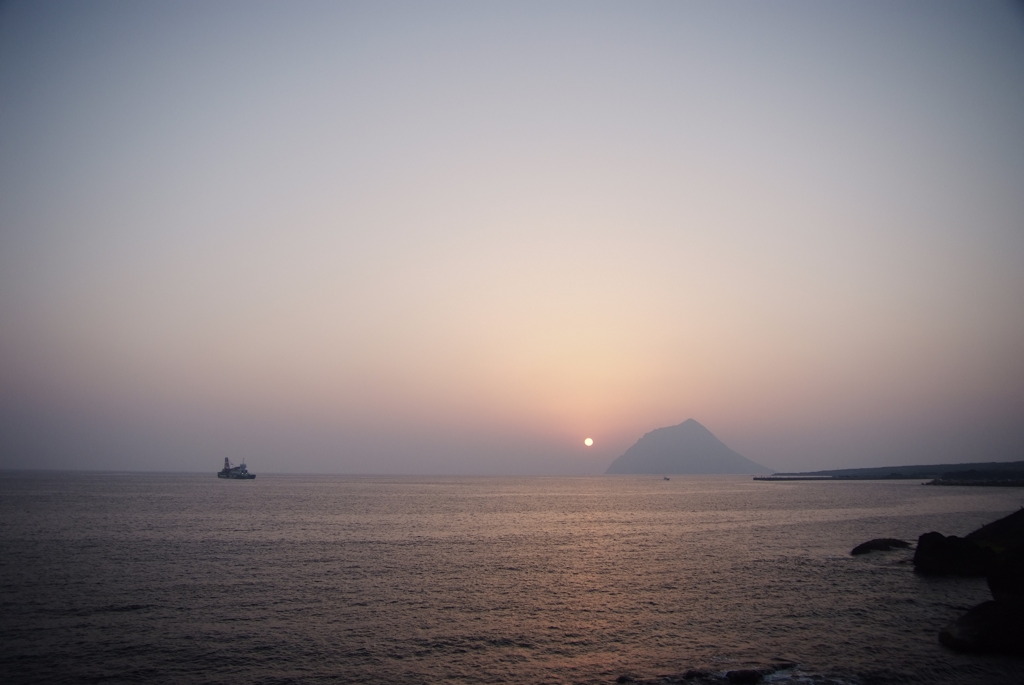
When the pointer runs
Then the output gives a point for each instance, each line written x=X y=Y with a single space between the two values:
x=695 y=673
x=1001 y=536
x=1006 y=577
x=974 y=555
x=938 y=555
x=879 y=545
x=991 y=627
x=744 y=676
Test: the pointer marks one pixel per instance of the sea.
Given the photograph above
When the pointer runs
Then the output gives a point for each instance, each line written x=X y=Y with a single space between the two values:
x=186 y=578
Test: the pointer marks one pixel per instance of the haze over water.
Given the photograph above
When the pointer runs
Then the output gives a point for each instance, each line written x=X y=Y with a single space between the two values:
x=461 y=237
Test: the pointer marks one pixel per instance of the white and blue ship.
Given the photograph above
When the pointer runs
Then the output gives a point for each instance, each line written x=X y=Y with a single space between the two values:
x=239 y=472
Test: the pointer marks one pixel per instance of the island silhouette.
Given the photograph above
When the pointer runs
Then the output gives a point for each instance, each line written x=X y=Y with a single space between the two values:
x=688 y=448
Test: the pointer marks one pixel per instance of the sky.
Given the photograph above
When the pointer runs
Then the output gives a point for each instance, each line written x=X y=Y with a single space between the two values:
x=461 y=237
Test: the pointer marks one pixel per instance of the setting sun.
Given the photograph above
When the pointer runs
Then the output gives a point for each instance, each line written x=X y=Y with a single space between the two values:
x=588 y=442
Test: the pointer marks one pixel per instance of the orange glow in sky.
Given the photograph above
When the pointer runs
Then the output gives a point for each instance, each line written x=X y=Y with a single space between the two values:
x=422 y=239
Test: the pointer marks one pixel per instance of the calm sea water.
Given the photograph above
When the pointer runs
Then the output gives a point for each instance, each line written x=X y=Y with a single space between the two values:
x=169 y=578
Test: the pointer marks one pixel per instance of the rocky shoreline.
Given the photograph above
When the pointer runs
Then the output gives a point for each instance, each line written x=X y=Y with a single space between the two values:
x=995 y=551
x=778 y=671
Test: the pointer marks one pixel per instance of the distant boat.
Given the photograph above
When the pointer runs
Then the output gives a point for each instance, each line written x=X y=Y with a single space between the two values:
x=235 y=472
x=666 y=478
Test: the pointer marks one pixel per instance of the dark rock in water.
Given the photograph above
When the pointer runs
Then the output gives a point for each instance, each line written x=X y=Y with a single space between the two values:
x=991 y=627
x=996 y=551
x=880 y=545
x=743 y=676
x=938 y=555
x=704 y=676
x=1006 y=577
x=973 y=555
x=686 y=448
x=1001 y=536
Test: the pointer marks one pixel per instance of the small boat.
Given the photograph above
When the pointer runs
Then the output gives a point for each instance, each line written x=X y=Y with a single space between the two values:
x=235 y=472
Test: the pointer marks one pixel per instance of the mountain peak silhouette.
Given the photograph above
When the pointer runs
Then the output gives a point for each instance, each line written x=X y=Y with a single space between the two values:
x=688 y=448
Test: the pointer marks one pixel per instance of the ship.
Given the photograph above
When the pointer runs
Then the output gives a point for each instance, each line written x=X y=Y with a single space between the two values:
x=239 y=472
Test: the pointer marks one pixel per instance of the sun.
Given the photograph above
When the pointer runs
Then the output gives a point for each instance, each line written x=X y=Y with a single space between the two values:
x=588 y=442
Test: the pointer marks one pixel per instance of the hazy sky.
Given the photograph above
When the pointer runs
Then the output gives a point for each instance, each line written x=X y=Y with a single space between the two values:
x=460 y=237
